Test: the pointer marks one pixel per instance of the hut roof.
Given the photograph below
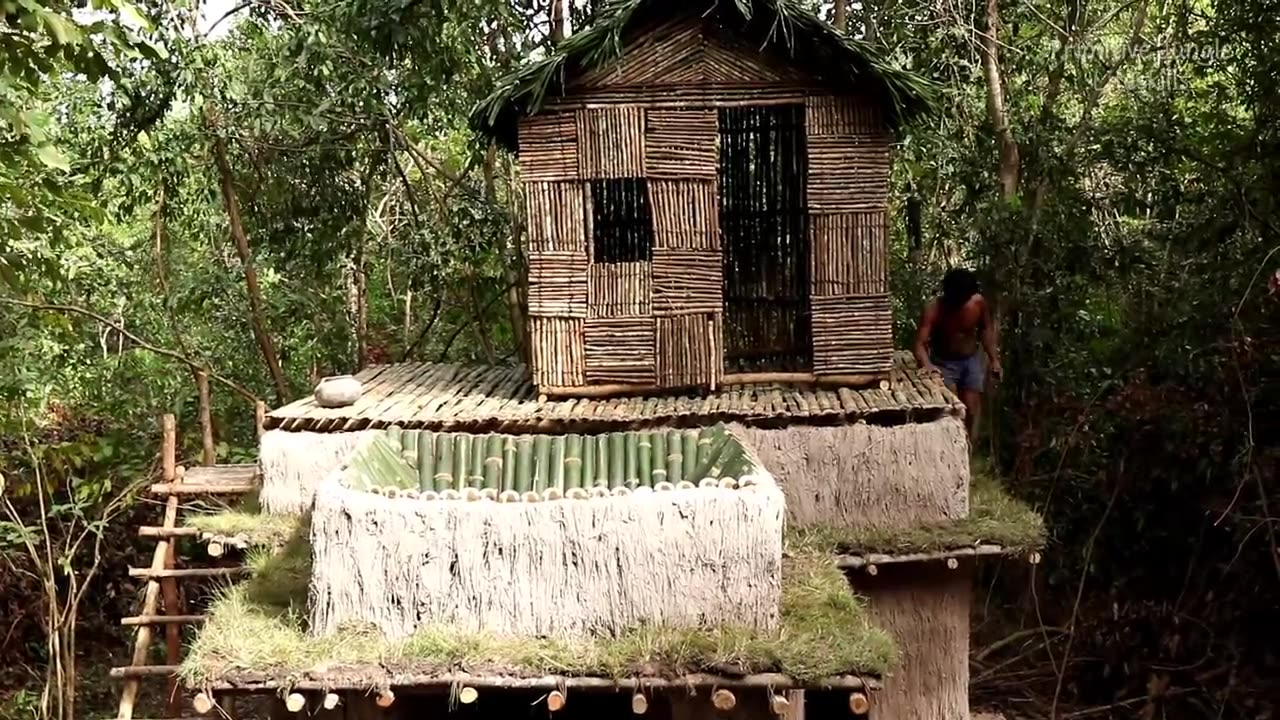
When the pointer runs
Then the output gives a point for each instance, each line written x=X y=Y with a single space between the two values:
x=792 y=32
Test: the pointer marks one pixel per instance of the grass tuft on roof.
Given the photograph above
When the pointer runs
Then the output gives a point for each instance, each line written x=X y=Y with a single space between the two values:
x=995 y=517
x=259 y=627
x=785 y=26
x=246 y=522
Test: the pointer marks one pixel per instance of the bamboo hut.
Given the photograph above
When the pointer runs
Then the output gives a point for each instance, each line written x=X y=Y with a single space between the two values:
x=706 y=188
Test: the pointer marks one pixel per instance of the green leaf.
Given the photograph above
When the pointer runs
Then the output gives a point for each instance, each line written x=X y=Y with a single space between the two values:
x=53 y=157
x=60 y=28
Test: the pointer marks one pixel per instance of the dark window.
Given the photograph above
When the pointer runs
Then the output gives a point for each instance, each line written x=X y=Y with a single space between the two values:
x=621 y=221
x=764 y=224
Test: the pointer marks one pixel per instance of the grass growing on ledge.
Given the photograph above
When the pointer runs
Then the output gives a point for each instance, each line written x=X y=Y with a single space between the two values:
x=259 y=626
x=995 y=517
x=259 y=529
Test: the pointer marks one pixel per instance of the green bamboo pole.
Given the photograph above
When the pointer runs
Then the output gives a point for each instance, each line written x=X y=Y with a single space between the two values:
x=508 y=464
x=602 y=460
x=617 y=460
x=444 y=462
x=475 y=473
x=633 y=459
x=659 y=462
x=426 y=461
x=541 y=462
x=690 y=455
x=393 y=437
x=524 y=463
x=573 y=462
x=675 y=457
x=556 y=479
x=493 y=462
x=588 y=462
x=705 y=441
x=461 y=458
x=708 y=466
x=644 y=459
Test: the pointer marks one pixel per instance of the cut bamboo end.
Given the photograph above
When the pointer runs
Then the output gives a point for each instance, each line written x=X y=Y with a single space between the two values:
x=295 y=702
x=1034 y=558
x=600 y=491
x=952 y=563
x=729 y=483
x=450 y=494
x=471 y=494
x=576 y=494
x=664 y=486
x=385 y=698
x=723 y=700
x=639 y=704
x=374 y=490
x=202 y=703
x=621 y=491
x=873 y=570
x=428 y=495
x=391 y=492
x=552 y=493
x=508 y=496
x=858 y=703
x=468 y=695
x=489 y=494
x=410 y=494
x=531 y=497
x=685 y=485
x=709 y=483
x=555 y=700
x=779 y=705
x=884 y=384
x=215 y=549
x=331 y=701
x=642 y=490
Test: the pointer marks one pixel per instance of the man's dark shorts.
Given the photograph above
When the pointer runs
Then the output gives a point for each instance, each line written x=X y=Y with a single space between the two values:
x=963 y=374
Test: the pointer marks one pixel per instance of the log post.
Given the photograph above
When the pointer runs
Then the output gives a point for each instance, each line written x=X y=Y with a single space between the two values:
x=555 y=700
x=210 y=456
x=169 y=586
x=259 y=417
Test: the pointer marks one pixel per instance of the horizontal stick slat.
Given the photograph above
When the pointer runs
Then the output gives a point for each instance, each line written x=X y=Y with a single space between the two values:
x=163 y=532
x=162 y=620
x=757 y=680
x=142 y=671
x=187 y=572
x=185 y=488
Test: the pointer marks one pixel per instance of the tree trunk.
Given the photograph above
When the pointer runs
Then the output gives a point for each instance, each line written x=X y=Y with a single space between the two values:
x=1007 y=171
x=840 y=17
x=257 y=315
x=514 y=297
x=557 y=21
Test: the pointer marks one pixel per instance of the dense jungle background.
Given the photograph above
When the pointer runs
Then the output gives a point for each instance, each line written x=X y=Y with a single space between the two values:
x=277 y=190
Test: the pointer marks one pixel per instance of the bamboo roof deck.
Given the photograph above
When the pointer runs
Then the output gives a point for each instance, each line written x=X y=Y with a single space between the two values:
x=442 y=396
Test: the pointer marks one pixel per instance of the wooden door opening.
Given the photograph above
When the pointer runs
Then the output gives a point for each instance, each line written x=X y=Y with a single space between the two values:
x=764 y=224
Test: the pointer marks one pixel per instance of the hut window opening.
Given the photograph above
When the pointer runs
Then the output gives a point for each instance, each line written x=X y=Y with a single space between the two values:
x=764 y=224
x=621 y=221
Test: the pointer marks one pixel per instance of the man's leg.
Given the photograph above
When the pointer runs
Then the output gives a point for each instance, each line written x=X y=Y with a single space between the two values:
x=970 y=385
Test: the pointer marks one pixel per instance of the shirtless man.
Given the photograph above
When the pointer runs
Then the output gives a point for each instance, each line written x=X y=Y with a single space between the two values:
x=948 y=336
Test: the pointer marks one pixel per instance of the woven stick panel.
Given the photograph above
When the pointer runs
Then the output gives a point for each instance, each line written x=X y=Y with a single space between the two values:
x=680 y=97
x=685 y=214
x=554 y=213
x=680 y=143
x=850 y=253
x=557 y=351
x=728 y=58
x=686 y=281
x=619 y=289
x=827 y=116
x=852 y=334
x=620 y=349
x=847 y=174
x=611 y=142
x=666 y=55
x=549 y=147
x=558 y=284
x=689 y=349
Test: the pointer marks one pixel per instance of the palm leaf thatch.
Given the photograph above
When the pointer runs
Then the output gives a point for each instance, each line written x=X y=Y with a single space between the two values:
x=781 y=26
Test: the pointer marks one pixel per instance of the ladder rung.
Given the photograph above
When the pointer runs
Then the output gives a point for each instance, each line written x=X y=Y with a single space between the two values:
x=162 y=620
x=164 y=532
x=186 y=572
x=141 y=671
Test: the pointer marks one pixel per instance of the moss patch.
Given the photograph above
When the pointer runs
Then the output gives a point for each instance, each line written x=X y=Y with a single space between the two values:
x=995 y=517
x=259 y=626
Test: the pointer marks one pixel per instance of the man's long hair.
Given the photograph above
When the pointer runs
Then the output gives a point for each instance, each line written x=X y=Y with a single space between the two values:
x=958 y=286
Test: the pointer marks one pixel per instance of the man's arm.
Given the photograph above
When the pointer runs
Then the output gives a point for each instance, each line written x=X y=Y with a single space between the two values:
x=989 y=341
x=923 y=332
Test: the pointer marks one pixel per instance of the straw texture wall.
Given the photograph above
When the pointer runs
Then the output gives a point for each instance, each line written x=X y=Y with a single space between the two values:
x=926 y=610
x=294 y=463
x=868 y=475
x=639 y=175
x=562 y=567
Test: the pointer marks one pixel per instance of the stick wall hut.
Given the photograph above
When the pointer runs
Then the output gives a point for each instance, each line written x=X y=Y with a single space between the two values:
x=706 y=202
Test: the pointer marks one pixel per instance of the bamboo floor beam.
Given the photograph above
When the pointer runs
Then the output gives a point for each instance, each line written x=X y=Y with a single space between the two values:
x=160 y=531
x=206 y=489
x=186 y=572
x=162 y=620
x=857 y=562
x=141 y=671
x=549 y=682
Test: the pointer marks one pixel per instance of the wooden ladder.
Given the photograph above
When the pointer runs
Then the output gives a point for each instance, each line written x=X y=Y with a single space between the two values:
x=161 y=606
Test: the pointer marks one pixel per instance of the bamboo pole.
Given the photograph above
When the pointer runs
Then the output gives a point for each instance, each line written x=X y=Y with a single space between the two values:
x=508 y=464
x=475 y=476
x=588 y=462
x=426 y=461
x=555 y=480
x=675 y=459
x=461 y=456
x=617 y=460
x=493 y=462
x=659 y=462
x=644 y=459
x=169 y=586
x=541 y=463
x=259 y=417
x=602 y=460
x=573 y=462
x=444 y=463
x=524 y=464
x=631 y=440
x=689 y=455
x=210 y=456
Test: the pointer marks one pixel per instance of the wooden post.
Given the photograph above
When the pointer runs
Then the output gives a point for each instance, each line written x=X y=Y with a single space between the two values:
x=206 y=419
x=169 y=586
x=795 y=705
x=259 y=417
